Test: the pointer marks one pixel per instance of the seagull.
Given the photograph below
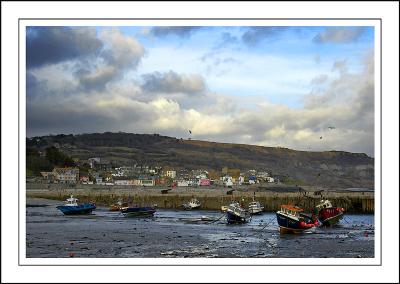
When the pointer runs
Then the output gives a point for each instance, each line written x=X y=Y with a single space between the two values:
x=331 y=127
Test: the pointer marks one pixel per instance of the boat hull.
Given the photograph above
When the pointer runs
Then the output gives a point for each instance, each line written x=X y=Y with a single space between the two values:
x=330 y=220
x=289 y=225
x=235 y=219
x=83 y=209
x=138 y=211
x=255 y=211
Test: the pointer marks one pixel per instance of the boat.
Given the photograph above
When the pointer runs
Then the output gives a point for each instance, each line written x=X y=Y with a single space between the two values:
x=71 y=207
x=225 y=207
x=329 y=215
x=291 y=220
x=117 y=206
x=237 y=214
x=138 y=211
x=192 y=204
x=255 y=207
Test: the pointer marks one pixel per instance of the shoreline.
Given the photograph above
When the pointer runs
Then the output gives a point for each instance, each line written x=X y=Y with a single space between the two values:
x=210 y=198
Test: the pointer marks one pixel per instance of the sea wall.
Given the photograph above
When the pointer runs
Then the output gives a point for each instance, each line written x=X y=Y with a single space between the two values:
x=211 y=199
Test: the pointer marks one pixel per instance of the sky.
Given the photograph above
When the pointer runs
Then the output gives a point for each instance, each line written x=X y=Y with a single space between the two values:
x=302 y=87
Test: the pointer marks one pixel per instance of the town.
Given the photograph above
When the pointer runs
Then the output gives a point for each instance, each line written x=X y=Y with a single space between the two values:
x=101 y=172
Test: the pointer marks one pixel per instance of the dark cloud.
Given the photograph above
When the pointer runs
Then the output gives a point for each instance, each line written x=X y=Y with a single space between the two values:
x=339 y=35
x=178 y=31
x=99 y=79
x=255 y=35
x=171 y=82
x=50 y=45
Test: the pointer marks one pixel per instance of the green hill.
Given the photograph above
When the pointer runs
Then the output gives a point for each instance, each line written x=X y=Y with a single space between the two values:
x=329 y=168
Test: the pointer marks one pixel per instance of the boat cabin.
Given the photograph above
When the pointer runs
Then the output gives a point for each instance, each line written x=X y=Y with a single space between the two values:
x=291 y=210
x=324 y=204
x=71 y=201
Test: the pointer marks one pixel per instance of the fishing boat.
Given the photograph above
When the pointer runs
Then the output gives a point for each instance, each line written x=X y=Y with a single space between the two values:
x=137 y=211
x=192 y=204
x=225 y=207
x=255 y=207
x=329 y=215
x=71 y=207
x=291 y=220
x=237 y=214
x=117 y=206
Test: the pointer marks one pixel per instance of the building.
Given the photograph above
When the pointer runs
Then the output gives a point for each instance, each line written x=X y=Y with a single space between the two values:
x=170 y=174
x=124 y=182
x=204 y=182
x=270 y=179
x=84 y=179
x=147 y=182
x=183 y=183
x=66 y=175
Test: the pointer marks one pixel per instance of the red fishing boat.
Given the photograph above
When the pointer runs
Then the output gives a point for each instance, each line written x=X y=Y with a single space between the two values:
x=329 y=215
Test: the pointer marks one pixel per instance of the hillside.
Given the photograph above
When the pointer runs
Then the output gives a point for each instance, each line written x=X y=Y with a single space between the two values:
x=330 y=168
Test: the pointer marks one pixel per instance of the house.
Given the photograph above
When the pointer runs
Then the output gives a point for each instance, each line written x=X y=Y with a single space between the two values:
x=204 y=182
x=66 y=175
x=270 y=179
x=84 y=179
x=183 y=183
x=147 y=182
x=170 y=174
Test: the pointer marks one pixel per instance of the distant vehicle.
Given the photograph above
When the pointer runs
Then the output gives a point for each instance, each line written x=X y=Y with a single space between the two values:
x=192 y=204
x=327 y=214
x=71 y=207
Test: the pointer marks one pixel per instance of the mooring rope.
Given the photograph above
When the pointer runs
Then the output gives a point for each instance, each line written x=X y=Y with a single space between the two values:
x=213 y=221
x=270 y=220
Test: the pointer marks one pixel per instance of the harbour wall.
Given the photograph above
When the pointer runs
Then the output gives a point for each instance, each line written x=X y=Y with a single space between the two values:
x=362 y=203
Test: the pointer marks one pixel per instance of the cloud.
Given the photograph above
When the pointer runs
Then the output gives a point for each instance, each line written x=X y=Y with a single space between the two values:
x=171 y=82
x=101 y=93
x=181 y=31
x=51 y=45
x=339 y=35
x=121 y=51
x=255 y=35
x=320 y=79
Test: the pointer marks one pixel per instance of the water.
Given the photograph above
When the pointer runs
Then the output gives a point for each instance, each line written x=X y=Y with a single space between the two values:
x=182 y=234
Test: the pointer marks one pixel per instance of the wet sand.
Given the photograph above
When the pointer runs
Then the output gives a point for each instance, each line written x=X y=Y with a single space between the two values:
x=172 y=233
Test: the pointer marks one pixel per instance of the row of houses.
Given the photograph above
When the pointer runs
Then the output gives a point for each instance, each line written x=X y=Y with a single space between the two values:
x=160 y=178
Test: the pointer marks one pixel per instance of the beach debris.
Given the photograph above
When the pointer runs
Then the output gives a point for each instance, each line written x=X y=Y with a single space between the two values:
x=331 y=127
x=320 y=137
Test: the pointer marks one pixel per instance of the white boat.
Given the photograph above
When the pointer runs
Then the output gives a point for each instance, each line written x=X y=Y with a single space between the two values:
x=255 y=207
x=192 y=204
x=237 y=214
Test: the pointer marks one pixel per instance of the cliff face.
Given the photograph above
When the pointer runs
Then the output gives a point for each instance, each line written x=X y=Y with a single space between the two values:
x=331 y=168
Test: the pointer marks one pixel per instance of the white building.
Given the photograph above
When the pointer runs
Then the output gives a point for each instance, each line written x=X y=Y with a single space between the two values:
x=170 y=174
x=183 y=183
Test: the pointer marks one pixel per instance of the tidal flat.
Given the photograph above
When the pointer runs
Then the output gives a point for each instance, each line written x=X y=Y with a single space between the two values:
x=181 y=234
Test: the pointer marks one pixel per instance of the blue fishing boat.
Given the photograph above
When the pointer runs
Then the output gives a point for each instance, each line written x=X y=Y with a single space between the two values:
x=71 y=207
x=291 y=220
x=236 y=214
x=137 y=211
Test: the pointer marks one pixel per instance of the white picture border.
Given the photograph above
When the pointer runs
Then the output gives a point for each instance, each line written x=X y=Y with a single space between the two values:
x=187 y=10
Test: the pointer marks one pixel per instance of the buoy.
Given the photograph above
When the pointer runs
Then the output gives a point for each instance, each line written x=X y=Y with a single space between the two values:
x=71 y=254
x=366 y=234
